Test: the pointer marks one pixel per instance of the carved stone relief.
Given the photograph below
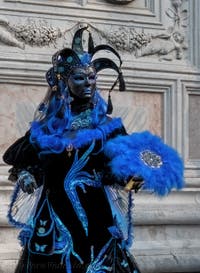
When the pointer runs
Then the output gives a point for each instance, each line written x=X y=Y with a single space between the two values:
x=168 y=45
x=126 y=39
x=34 y=34
x=7 y=36
x=39 y=34
x=173 y=39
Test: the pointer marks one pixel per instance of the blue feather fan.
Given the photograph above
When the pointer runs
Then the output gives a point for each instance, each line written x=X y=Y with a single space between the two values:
x=146 y=155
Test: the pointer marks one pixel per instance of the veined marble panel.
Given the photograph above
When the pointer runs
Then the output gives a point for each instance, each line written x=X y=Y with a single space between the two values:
x=18 y=103
x=191 y=103
x=139 y=110
x=194 y=126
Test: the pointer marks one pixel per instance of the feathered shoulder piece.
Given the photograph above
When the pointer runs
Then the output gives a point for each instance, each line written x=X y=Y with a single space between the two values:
x=146 y=155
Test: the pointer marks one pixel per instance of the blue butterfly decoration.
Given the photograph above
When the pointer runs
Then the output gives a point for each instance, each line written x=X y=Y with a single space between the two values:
x=43 y=223
x=40 y=248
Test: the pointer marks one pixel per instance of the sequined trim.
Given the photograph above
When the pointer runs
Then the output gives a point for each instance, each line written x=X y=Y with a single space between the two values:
x=83 y=120
x=151 y=159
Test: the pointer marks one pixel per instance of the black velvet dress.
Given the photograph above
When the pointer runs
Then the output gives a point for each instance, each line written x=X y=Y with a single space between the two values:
x=73 y=228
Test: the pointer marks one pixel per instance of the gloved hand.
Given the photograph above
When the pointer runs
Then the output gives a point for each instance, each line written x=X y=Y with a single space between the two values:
x=27 y=181
x=135 y=183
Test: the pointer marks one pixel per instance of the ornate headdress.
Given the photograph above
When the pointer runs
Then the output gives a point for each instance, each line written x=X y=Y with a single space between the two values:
x=68 y=58
x=54 y=115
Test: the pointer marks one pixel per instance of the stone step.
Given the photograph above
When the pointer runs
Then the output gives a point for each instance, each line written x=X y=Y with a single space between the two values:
x=7 y=266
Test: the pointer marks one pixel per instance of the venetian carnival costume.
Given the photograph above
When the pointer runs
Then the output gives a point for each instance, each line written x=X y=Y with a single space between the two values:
x=69 y=167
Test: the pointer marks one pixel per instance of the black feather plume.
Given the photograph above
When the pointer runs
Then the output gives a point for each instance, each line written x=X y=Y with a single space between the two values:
x=110 y=105
x=122 y=85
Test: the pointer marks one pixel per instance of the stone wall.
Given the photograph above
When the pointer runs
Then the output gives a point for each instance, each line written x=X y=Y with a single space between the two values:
x=159 y=44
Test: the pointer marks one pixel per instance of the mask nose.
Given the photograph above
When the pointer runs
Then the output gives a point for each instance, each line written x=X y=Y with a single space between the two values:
x=87 y=82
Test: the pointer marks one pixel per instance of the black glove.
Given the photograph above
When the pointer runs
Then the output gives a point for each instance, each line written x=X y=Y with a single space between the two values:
x=27 y=181
x=13 y=174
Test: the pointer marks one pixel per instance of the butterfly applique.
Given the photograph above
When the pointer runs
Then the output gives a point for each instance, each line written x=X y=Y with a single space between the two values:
x=43 y=223
x=40 y=248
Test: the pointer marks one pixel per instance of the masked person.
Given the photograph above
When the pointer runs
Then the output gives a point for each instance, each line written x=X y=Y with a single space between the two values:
x=69 y=167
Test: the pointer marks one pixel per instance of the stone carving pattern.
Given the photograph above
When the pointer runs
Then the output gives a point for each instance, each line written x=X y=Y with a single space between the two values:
x=141 y=44
x=39 y=34
x=29 y=33
x=7 y=36
x=127 y=39
x=167 y=45
x=173 y=39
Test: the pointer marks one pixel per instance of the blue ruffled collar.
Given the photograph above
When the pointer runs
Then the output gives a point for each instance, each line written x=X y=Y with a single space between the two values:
x=72 y=139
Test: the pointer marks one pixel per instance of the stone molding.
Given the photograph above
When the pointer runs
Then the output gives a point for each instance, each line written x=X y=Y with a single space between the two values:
x=158 y=46
x=189 y=89
x=146 y=44
x=194 y=33
x=128 y=39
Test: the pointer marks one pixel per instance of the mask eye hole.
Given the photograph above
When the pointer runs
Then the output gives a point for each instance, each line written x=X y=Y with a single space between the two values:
x=92 y=77
x=78 y=77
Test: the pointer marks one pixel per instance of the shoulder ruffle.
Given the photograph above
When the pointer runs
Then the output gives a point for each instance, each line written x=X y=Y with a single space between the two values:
x=57 y=143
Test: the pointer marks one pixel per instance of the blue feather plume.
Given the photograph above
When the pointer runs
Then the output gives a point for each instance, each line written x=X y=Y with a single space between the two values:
x=125 y=162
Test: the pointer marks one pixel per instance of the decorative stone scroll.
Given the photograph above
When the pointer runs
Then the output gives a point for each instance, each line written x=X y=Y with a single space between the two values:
x=173 y=39
x=38 y=34
x=168 y=45
x=7 y=36
x=127 y=39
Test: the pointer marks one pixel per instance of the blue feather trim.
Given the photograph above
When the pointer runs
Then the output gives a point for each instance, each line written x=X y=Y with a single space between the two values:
x=57 y=143
x=126 y=161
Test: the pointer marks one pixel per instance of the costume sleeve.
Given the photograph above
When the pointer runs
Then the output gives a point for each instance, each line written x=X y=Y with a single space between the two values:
x=145 y=155
x=22 y=155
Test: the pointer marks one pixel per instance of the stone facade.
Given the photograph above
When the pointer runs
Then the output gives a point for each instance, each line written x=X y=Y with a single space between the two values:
x=159 y=44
